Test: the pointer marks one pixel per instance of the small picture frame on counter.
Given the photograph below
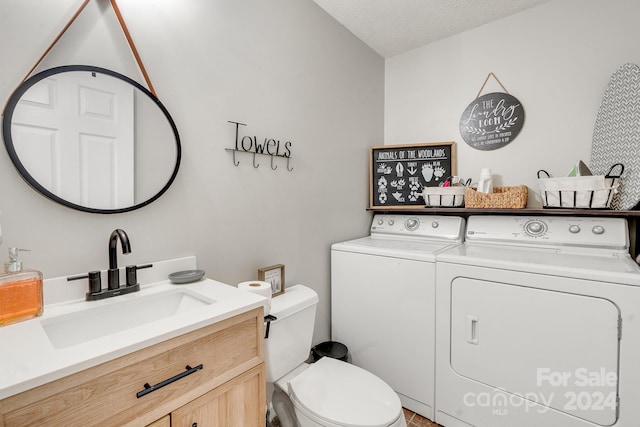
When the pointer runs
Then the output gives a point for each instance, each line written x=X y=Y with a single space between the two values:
x=275 y=276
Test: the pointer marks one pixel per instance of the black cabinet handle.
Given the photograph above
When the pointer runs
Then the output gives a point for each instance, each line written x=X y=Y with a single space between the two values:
x=149 y=388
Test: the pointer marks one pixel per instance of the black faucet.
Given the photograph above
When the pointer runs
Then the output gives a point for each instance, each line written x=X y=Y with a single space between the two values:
x=113 y=274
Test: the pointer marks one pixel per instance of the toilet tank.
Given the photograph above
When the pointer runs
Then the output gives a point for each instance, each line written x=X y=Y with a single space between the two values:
x=290 y=335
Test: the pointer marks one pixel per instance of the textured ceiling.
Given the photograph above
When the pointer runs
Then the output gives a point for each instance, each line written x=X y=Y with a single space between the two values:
x=391 y=27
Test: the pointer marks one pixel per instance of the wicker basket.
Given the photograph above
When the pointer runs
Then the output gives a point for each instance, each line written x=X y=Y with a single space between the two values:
x=501 y=198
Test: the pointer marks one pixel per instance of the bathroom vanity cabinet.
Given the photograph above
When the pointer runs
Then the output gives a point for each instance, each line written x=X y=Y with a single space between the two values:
x=227 y=390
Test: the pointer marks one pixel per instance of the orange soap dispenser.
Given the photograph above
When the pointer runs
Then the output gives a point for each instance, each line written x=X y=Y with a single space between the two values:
x=20 y=291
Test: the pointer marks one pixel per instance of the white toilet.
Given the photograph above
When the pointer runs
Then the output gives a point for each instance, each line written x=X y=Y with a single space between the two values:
x=328 y=393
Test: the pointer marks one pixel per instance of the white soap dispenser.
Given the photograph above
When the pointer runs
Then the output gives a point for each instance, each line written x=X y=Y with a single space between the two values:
x=21 y=296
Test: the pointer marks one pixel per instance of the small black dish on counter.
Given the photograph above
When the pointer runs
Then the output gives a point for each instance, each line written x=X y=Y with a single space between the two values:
x=186 y=276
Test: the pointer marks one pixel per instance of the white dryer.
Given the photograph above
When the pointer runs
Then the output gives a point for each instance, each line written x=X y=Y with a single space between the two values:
x=383 y=301
x=538 y=324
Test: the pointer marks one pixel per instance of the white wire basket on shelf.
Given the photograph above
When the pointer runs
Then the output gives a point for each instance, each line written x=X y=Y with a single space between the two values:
x=443 y=197
x=579 y=192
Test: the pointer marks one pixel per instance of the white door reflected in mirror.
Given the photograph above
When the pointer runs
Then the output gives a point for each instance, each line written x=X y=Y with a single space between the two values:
x=91 y=139
x=84 y=122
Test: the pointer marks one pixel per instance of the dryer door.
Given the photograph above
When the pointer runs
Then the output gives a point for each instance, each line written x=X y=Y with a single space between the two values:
x=554 y=348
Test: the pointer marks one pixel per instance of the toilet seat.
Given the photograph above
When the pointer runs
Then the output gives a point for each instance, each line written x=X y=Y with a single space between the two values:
x=342 y=394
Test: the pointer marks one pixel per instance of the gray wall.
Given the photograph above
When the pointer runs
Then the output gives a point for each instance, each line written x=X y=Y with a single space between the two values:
x=556 y=58
x=283 y=67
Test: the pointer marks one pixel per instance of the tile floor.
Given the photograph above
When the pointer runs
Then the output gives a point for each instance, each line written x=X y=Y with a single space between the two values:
x=413 y=420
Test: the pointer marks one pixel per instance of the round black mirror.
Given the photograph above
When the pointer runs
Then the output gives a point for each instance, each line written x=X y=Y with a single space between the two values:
x=91 y=139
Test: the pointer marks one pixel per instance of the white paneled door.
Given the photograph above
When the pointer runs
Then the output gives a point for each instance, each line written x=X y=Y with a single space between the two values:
x=74 y=133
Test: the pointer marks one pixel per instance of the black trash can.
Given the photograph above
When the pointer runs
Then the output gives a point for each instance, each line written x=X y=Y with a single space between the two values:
x=332 y=349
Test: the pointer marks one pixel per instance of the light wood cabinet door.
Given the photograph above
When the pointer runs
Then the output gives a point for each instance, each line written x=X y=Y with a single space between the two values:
x=237 y=403
x=108 y=395
x=162 y=422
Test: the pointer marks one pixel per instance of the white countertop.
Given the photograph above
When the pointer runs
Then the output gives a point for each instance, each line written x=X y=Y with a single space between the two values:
x=29 y=359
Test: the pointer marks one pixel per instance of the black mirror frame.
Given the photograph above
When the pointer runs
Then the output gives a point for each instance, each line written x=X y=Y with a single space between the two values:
x=8 y=140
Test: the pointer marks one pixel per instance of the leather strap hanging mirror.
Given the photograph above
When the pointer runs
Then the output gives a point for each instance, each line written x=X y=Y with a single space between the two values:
x=90 y=138
x=125 y=30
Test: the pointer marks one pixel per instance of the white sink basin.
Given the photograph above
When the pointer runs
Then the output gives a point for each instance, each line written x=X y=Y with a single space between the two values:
x=118 y=315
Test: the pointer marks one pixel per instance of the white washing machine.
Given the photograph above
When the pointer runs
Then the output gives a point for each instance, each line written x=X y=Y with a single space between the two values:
x=383 y=301
x=538 y=324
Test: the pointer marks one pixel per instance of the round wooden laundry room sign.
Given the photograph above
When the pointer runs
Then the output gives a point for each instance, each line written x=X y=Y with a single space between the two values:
x=492 y=121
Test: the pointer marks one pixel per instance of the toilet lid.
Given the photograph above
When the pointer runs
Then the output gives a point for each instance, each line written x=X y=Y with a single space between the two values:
x=345 y=395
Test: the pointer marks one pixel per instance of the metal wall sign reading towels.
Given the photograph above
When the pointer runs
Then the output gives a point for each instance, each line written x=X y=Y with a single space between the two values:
x=265 y=147
x=492 y=121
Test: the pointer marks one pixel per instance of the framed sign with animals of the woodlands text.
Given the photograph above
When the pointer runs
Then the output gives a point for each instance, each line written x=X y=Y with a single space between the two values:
x=399 y=173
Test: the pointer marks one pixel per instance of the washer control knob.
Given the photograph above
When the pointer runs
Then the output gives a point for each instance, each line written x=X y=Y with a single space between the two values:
x=412 y=224
x=534 y=228
x=391 y=222
x=574 y=229
x=435 y=224
x=597 y=229
x=380 y=221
